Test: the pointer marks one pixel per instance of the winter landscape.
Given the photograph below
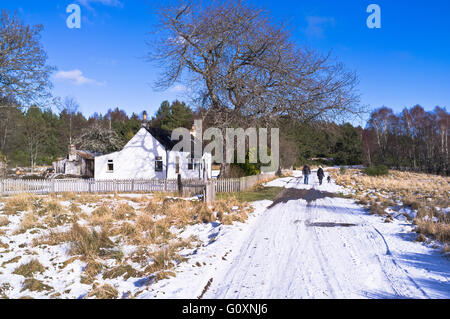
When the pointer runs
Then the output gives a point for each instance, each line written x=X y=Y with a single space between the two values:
x=211 y=150
x=310 y=241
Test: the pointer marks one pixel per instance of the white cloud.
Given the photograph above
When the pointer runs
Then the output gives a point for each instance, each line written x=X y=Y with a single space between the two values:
x=316 y=25
x=179 y=89
x=75 y=77
x=111 y=3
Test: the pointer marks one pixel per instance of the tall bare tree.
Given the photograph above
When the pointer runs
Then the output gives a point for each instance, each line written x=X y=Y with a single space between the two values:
x=70 y=106
x=24 y=74
x=244 y=65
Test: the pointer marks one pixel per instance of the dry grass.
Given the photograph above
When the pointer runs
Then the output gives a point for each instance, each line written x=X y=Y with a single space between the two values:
x=32 y=284
x=419 y=192
x=205 y=214
x=438 y=231
x=74 y=208
x=19 y=203
x=124 y=211
x=162 y=260
x=55 y=214
x=124 y=270
x=148 y=225
x=103 y=292
x=3 y=245
x=29 y=221
x=103 y=215
x=398 y=182
x=11 y=261
x=84 y=242
x=446 y=249
x=4 y=221
x=29 y=269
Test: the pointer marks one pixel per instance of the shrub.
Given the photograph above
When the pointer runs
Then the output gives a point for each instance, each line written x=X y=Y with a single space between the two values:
x=88 y=243
x=376 y=209
x=18 y=203
x=101 y=216
x=342 y=170
x=29 y=269
x=126 y=271
x=29 y=221
x=205 y=214
x=4 y=221
x=123 y=211
x=32 y=284
x=439 y=231
x=379 y=170
x=104 y=292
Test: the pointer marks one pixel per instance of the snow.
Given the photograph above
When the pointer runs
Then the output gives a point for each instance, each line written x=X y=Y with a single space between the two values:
x=288 y=252
x=327 y=248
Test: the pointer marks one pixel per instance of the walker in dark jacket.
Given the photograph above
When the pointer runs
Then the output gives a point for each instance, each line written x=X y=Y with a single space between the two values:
x=320 y=174
x=306 y=173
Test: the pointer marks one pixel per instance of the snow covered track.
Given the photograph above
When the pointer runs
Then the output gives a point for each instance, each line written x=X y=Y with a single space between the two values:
x=321 y=249
x=310 y=244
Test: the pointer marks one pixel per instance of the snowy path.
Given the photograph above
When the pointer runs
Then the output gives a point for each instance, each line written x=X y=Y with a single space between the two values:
x=327 y=248
x=322 y=249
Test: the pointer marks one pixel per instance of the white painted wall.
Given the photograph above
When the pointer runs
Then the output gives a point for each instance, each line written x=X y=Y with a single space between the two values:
x=196 y=173
x=137 y=161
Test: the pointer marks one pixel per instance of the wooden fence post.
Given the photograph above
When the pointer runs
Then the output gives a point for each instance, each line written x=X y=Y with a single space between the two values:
x=210 y=192
x=180 y=185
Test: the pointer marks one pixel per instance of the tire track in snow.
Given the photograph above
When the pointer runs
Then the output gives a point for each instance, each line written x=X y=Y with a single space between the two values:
x=283 y=257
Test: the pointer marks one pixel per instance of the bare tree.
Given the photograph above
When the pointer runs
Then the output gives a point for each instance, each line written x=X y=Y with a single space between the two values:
x=99 y=139
x=70 y=106
x=24 y=75
x=414 y=139
x=243 y=65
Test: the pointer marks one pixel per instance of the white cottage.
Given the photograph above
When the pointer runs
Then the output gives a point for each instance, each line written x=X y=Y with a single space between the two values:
x=149 y=155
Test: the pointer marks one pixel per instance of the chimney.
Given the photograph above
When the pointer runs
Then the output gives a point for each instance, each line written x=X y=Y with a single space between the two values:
x=194 y=131
x=72 y=153
x=72 y=149
x=144 y=119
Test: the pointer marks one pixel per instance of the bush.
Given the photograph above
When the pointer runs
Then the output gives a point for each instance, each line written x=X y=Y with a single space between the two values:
x=343 y=170
x=379 y=170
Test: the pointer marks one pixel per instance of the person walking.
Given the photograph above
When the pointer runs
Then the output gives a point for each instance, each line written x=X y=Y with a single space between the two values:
x=306 y=173
x=320 y=174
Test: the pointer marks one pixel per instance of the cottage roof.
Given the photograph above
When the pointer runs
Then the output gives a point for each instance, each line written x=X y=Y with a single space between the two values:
x=87 y=154
x=165 y=137
x=162 y=136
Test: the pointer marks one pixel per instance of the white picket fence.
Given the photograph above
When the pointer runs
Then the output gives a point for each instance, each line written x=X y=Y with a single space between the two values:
x=45 y=186
x=227 y=185
x=190 y=186
x=233 y=185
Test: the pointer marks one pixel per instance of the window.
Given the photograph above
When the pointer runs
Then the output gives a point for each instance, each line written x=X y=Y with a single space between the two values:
x=198 y=164
x=193 y=164
x=158 y=164
x=110 y=166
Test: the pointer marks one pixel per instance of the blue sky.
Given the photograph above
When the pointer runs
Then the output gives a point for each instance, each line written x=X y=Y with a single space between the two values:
x=102 y=65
